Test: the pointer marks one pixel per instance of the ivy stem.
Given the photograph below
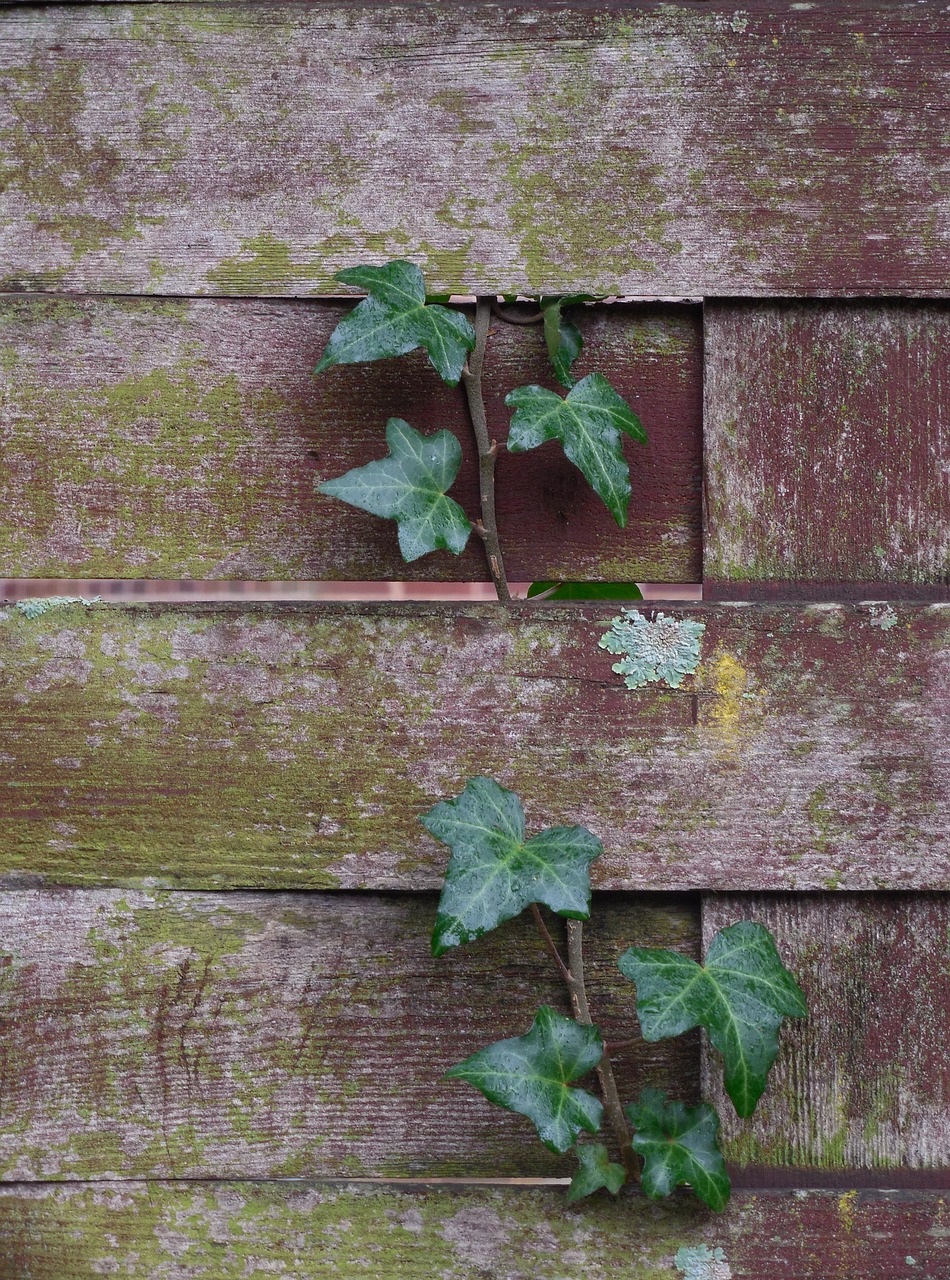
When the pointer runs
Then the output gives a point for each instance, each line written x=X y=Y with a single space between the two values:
x=487 y=526
x=605 y=1072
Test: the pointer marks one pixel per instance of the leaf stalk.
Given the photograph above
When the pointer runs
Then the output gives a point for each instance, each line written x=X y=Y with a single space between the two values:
x=551 y=944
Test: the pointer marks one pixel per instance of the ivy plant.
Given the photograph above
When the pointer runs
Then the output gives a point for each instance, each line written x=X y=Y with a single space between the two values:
x=411 y=484
x=742 y=992
x=740 y=996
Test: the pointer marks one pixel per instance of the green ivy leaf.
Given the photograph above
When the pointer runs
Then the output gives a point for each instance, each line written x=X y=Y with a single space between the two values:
x=740 y=997
x=395 y=319
x=409 y=486
x=588 y=422
x=494 y=873
x=564 y=341
x=530 y=1074
x=679 y=1144
x=585 y=591
x=597 y=1170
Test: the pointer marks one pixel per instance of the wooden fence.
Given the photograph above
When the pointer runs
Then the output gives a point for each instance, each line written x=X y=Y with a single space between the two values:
x=222 y=1038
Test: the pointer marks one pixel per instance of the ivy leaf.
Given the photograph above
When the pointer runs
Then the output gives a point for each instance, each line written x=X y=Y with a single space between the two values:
x=597 y=1170
x=679 y=1144
x=585 y=591
x=740 y=997
x=588 y=423
x=530 y=1074
x=564 y=341
x=494 y=873
x=395 y=319
x=408 y=486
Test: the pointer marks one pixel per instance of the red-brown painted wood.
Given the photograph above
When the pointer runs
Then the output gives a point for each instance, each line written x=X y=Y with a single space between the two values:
x=647 y=149
x=228 y=1230
x=827 y=447
x=296 y=747
x=861 y=1088
x=154 y=438
x=276 y=1035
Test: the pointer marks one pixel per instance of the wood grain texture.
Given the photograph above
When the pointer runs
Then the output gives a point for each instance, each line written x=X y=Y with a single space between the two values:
x=228 y=1231
x=827 y=443
x=679 y=149
x=265 y=1035
x=296 y=746
x=862 y=1083
x=150 y=439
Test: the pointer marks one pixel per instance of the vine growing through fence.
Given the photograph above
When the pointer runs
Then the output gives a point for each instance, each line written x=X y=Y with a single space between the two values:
x=742 y=992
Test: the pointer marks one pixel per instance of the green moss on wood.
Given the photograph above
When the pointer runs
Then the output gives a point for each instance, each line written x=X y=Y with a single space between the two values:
x=297 y=747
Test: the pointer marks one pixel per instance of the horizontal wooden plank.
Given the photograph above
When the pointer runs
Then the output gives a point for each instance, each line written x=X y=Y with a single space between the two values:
x=296 y=746
x=824 y=591
x=863 y=1083
x=184 y=439
x=659 y=150
x=226 y=1231
x=256 y=1035
x=827 y=443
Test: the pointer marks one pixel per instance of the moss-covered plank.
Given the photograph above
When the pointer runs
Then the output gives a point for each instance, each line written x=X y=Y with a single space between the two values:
x=654 y=149
x=827 y=443
x=296 y=746
x=160 y=438
x=231 y=1230
x=863 y=1083
x=159 y=1034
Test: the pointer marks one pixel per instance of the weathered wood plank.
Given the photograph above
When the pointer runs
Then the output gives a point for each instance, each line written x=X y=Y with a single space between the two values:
x=827 y=443
x=296 y=746
x=863 y=1083
x=230 y=1230
x=644 y=150
x=256 y=1035
x=183 y=439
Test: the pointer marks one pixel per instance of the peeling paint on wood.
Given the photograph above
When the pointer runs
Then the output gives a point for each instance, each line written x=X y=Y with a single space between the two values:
x=862 y=1083
x=231 y=1230
x=661 y=149
x=827 y=443
x=269 y=1035
x=295 y=747
x=185 y=439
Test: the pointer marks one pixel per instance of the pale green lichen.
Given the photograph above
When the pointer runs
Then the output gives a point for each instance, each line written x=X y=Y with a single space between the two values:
x=703 y=1263
x=664 y=651
x=38 y=605
x=883 y=616
x=737 y=22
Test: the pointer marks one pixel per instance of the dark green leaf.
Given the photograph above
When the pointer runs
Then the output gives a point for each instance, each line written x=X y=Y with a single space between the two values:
x=740 y=997
x=585 y=590
x=588 y=422
x=564 y=341
x=494 y=873
x=596 y=1171
x=530 y=1074
x=679 y=1145
x=409 y=486
x=395 y=319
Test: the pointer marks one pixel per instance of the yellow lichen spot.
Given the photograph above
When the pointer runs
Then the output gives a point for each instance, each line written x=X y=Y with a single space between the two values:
x=846 y=1210
x=734 y=702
